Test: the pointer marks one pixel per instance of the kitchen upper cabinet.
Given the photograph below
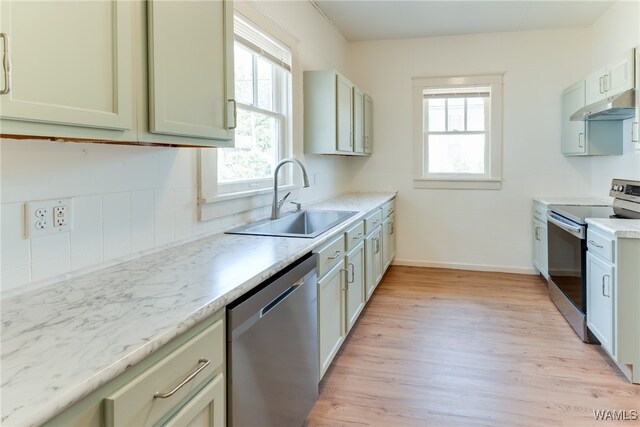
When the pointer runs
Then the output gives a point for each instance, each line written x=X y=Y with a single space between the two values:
x=573 y=132
x=67 y=63
x=190 y=56
x=600 y=297
x=612 y=79
x=587 y=138
x=335 y=115
x=368 y=124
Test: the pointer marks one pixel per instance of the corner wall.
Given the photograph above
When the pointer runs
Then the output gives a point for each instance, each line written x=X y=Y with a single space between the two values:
x=474 y=229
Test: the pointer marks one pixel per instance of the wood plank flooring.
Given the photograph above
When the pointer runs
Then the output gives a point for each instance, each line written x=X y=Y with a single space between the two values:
x=439 y=347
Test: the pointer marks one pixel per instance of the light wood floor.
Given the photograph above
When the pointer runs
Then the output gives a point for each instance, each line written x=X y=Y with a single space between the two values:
x=441 y=347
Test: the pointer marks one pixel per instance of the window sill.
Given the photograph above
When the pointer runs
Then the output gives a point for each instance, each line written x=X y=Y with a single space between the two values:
x=459 y=183
x=235 y=203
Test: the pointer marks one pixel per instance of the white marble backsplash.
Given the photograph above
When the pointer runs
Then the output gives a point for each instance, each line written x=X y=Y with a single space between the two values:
x=63 y=341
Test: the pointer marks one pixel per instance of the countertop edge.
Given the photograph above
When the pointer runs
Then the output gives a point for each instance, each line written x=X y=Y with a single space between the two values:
x=614 y=227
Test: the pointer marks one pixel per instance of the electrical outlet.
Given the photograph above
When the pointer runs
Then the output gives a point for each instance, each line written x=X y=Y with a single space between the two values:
x=47 y=217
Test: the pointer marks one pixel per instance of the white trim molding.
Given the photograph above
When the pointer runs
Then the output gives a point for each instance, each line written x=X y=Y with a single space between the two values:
x=464 y=266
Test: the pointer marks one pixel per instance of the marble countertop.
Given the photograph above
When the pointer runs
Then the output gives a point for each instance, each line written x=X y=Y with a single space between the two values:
x=63 y=341
x=625 y=228
x=574 y=201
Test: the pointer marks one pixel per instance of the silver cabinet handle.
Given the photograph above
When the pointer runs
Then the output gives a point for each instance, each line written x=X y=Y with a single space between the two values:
x=335 y=255
x=580 y=138
x=607 y=294
x=600 y=83
x=352 y=140
x=537 y=233
x=377 y=241
x=353 y=273
x=634 y=132
x=191 y=376
x=605 y=83
x=6 y=63
x=235 y=114
x=359 y=235
x=595 y=244
x=391 y=228
x=346 y=279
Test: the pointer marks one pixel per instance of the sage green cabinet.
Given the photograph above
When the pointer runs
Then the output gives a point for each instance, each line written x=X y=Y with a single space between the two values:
x=335 y=115
x=355 y=286
x=190 y=56
x=331 y=314
x=389 y=240
x=133 y=397
x=70 y=64
x=373 y=253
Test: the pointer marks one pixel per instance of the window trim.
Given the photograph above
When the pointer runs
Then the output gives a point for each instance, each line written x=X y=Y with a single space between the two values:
x=492 y=178
x=213 y=205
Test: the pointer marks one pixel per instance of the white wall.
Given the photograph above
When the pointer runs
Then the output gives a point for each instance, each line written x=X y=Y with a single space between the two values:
x=130 y=199
x=484 y=229
x=614 y=33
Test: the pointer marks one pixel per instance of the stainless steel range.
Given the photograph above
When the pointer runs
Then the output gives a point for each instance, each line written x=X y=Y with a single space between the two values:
x=567 y=248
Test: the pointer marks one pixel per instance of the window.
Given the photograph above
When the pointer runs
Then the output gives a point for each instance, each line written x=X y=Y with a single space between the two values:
x=458 y=132
x=263 y=95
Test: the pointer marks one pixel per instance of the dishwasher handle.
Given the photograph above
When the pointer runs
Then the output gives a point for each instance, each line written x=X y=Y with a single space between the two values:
x=277 y=300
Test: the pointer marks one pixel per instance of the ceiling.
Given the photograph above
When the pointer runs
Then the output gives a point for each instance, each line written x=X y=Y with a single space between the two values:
x=394 y=19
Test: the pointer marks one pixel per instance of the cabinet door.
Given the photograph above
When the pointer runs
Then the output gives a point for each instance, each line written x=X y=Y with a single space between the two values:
x=620 y=76
x=388 y=241
x=355 y=285
x=600 y=295
x=205 y=409
x=358 y=120
x=544 y=255
x=71 y=62
x=190 y=48
x=368 y=124
x=344 y=113
x=573 y=132
x=594 y=86
x=373 y=260
x=331 y=309
x=535 y=249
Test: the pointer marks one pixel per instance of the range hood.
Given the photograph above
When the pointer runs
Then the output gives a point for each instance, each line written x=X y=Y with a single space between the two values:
x=618 y=107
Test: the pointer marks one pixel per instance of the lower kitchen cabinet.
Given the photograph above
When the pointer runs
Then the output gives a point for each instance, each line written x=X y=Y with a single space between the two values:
x=612 y=297
x=331 y=314
x=355 y=291
x=539 y=239
x=373 y=252
x=600 y=297
x=388 y=240
x=181 y=384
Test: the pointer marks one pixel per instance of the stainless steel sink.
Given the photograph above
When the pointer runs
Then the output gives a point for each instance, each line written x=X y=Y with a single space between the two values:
x=308 y=223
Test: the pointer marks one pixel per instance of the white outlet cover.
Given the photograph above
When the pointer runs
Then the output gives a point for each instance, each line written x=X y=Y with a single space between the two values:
x=33 y=219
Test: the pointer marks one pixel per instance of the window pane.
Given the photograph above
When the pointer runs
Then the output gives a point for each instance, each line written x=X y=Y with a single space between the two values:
x=243 y=74
x=256 y=150
x=456 y=153
x=436 y=115
x=265 y=84
x=456 y=114
x=475 y=114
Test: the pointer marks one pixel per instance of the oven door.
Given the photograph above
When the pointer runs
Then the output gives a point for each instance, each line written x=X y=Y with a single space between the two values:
x=567 y=258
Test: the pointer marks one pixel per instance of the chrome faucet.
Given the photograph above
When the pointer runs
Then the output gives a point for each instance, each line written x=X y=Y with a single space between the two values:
x=277 y=204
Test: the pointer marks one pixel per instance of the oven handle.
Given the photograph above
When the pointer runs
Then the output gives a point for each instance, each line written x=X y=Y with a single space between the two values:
x=574 y=230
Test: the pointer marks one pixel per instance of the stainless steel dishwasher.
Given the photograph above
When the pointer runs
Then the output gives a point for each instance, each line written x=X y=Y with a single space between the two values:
x=272 y=350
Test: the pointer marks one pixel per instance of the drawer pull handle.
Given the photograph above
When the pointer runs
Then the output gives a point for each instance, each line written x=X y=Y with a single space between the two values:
x=336 y=255
x=595 y=244
x=191 y=376
x=358 y=236
x=6 y=64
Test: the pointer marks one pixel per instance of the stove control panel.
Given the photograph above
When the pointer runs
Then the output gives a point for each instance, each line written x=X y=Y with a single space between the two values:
x=625 y=190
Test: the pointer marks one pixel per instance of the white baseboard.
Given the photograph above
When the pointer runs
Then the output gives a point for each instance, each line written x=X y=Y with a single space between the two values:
x=464 y=266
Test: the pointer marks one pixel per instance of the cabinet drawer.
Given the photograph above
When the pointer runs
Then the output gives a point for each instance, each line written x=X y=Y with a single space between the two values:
x=331 y=254
x=539 y=212
x=389 y=208
x=136 y=404
x=600 y=245
x=355 y=235
x=372 y=221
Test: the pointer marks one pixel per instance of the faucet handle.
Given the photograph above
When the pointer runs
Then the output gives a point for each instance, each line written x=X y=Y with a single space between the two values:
x=281 y=201
x=298 y=206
